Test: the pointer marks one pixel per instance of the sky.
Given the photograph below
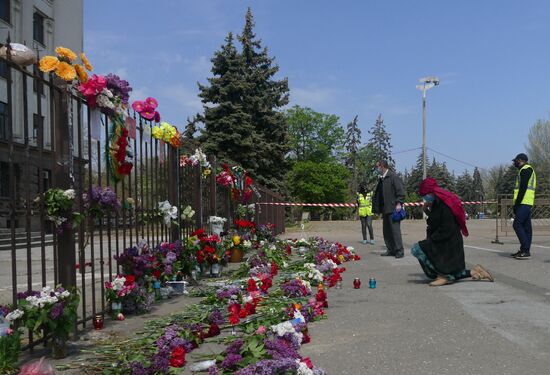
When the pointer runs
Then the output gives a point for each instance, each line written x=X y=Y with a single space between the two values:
x=352 y=58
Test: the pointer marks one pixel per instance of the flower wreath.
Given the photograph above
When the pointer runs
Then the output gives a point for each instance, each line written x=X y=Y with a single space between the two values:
x=119 y=154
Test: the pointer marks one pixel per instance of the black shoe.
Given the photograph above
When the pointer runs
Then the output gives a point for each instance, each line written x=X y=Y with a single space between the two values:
x=399 y=255
x=387 y=254
x=523 y=255
x=516 y=254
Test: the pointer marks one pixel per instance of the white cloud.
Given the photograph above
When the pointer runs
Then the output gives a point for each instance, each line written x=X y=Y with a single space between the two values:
x=382 y=103
x=184 y=97
x=200 y=66
x=313 y=96
x=139 y=93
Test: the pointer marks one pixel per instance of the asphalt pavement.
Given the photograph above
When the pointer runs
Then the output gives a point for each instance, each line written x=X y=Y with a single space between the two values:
x=405 y=326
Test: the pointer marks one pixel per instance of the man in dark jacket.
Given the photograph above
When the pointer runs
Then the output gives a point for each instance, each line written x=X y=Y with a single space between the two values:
x=389 y=195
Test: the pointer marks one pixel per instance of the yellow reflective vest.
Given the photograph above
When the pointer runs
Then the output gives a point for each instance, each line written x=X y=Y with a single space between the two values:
x=529 y=197
x=365 y=204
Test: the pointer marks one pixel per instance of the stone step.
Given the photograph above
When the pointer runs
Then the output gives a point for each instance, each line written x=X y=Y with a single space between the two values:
x=23 y=245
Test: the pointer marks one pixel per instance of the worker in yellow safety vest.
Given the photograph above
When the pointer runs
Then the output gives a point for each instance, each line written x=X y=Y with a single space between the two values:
x=524 y=199
x=364 y=203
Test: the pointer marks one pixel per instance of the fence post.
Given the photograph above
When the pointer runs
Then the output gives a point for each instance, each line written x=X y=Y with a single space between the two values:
x=173 y=191
x=212 y=187
x=198 y=195
x=66 y=253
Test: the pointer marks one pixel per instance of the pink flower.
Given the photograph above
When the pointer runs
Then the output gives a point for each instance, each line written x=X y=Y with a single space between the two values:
x=261 y=330
x=9 y=331
x=138 y=106
x=152 y=102
x=307 y=361
x=148 y=112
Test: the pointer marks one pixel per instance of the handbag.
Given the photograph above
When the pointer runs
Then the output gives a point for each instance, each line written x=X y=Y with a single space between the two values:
x=398 y=216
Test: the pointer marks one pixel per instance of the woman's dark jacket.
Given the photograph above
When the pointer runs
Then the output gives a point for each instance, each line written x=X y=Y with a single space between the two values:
x=443 y=245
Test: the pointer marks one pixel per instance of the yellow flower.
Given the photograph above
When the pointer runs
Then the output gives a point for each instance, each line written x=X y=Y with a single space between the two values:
x=81 y=73
x=86 y=62
x=48 y=63
x=156 y=132
x=66 y=53
x=65 y=71
x=206 y=172
x=236 y=240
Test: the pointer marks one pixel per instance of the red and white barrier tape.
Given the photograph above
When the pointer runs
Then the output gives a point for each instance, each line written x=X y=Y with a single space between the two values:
x=410 y=204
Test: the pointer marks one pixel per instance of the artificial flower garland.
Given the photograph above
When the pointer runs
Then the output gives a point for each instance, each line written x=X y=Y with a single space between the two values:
x=119 y=154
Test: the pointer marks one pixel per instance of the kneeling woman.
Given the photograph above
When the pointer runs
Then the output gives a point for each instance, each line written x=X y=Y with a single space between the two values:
x=441 y=254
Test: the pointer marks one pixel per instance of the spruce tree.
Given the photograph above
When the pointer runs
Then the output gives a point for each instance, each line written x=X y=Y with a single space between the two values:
x=415 y=177
x=263 y=97
x=477 y=185
x=353 y=140
x=228 y=132
x=380 y=142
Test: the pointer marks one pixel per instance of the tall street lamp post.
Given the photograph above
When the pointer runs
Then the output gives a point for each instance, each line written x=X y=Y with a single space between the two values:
x=426 y=84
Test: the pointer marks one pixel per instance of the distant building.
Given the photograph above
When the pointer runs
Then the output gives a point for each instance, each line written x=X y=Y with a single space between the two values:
x=41 y=25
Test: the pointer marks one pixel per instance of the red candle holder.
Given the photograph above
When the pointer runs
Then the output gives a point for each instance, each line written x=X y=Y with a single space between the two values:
x=98 y=322
x=356 y=283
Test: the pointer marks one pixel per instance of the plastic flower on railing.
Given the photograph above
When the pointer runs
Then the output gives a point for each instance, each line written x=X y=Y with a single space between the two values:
x=216 y=220
x=62 y=65
x=147 y=109
x=119 y=87
x=167 y=212
x=59 y=205
x=167 y=133
x=187 y=213
x=225 y=177
x=199 y=158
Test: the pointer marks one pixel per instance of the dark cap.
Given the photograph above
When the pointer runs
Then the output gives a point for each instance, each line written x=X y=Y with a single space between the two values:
x=521 y=157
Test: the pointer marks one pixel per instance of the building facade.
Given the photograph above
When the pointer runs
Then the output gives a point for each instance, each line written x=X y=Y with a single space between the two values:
x=41 y=25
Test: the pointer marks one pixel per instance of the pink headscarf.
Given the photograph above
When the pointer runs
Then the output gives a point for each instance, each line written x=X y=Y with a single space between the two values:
x=430 y=185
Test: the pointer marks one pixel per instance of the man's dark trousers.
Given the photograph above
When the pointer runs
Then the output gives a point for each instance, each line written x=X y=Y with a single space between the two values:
x=392 y=235
x=522 y=227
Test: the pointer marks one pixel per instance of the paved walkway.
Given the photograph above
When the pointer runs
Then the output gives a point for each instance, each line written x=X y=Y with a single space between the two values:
x=406 y=327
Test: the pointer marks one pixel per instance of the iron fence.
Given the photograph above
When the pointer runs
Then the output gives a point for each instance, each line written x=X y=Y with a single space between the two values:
x=61 y=148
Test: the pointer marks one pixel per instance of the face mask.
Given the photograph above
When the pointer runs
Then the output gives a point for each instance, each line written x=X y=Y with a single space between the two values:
x=428 y=198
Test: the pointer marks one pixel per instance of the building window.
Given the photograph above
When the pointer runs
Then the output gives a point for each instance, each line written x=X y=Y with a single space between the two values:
x=37 y=123
x=4 y=125
x=38 y=27
x=46 y=179
x=5 y=10
x=37 y=85
x=3 y=69
x=4 y=180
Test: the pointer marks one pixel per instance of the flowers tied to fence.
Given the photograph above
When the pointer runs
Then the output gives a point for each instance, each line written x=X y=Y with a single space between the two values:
x=59 y=206
x=49 y=311
x=167 y=212
x=62 y=64
x=245 y=211
x=167 y=133
x=198 y=158
x=147 y=108
x=187 y=213
x=100 y=201
x=119 y=153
